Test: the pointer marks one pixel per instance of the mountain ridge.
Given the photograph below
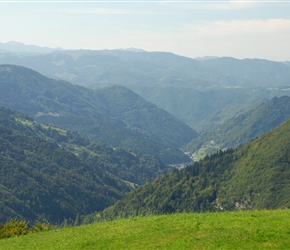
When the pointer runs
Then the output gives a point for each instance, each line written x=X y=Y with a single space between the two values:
x=85 y=110
x=244 y=127
x=17 y=47
x=202 y=93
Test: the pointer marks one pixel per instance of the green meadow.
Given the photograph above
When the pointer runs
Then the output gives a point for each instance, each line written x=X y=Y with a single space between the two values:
x=221 y=230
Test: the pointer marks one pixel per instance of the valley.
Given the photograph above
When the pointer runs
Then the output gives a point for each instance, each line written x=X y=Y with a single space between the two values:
x=144 y=125
x=201 y=92
x=143 y=137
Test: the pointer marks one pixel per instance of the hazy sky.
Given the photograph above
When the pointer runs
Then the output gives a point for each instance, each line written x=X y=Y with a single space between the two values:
x=241 y=29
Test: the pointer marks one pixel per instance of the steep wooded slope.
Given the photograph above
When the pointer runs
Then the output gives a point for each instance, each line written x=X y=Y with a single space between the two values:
x=244 y=127
x=47 y=173
x=114 y=116
x=254 y=176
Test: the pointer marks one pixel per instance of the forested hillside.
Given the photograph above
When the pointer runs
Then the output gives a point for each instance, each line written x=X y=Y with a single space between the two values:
x=254 y=176
x=115 y=116
x=242 y=128
x=49 y=173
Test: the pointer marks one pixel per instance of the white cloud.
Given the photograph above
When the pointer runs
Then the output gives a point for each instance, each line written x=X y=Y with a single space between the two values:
x=211 y=5
x=267 y=39
x=102 y=11
x=250 y=38
x=243 y=28
x=190 y=28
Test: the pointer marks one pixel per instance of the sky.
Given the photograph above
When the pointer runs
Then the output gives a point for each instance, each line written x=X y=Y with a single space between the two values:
x=240 y=29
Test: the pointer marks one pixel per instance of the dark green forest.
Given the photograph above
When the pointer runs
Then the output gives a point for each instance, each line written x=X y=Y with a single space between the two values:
x=254 y=176
x=51 y=174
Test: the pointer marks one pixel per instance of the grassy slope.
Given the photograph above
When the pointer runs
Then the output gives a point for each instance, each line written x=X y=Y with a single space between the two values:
x=230 y=230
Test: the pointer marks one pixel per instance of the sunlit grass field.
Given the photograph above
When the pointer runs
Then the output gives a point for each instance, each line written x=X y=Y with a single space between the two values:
x=222 y=230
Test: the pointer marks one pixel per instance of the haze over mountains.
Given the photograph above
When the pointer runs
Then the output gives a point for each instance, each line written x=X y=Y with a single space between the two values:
x=16 y=47
x=202 y=93
x=114 y=116
x=135 y=111
x=242 y=128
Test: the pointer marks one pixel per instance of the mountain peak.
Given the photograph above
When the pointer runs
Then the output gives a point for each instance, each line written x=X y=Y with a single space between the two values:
x=132 y=50
x=17 y=47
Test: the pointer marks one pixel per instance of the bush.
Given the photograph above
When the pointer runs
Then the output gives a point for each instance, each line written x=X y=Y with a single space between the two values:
x=15 y=227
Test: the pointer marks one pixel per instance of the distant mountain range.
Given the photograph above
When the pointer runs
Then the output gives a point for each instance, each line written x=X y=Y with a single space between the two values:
x=114 y=116
x=202 y=93
x=133 y=112
x=16 y=47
